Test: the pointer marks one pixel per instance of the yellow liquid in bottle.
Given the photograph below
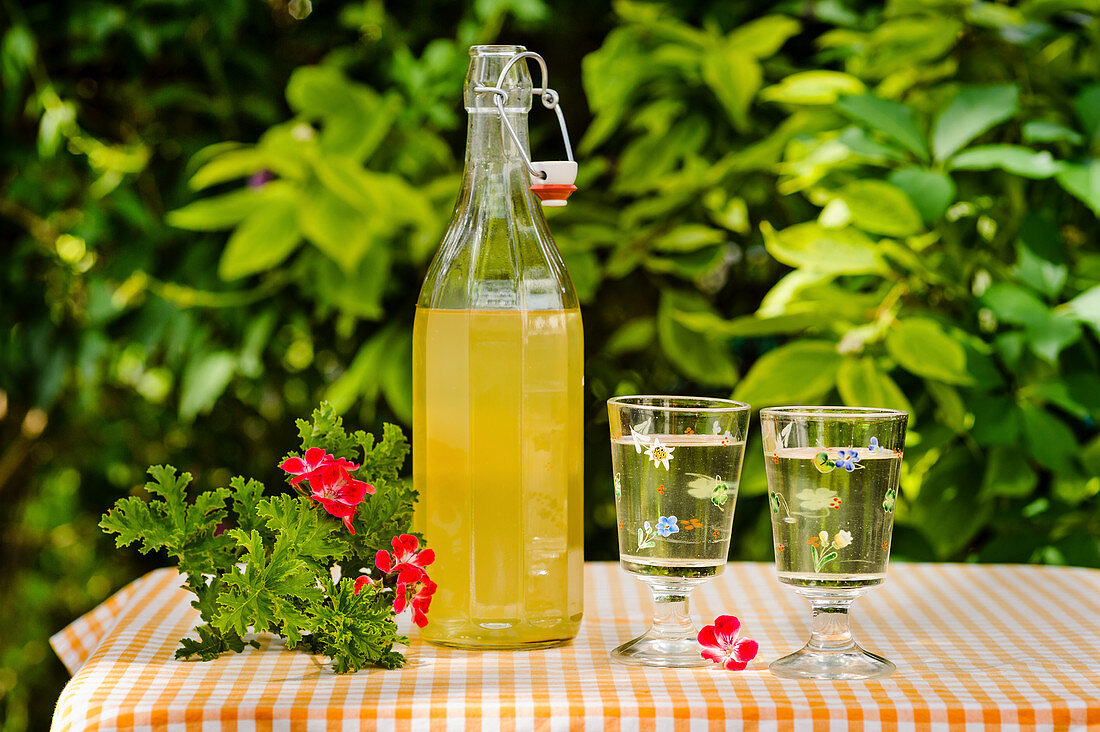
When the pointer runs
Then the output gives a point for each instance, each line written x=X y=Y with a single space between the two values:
x=497 y=459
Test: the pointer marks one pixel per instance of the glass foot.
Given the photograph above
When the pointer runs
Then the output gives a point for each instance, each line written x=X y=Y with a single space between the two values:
x=851 y=663
x=672 y=640
x=650 y=650
x=832 y=651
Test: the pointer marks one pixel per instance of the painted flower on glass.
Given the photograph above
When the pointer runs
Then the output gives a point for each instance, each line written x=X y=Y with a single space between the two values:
x=823 y=551
x=815 y=499
x=618 y=486
x=724 y=434
x=667 y=525
x=646 y=536
x=873 y=447
x=824 y=463
x=659 y=454
x=720 y=495
x=889 y=500
x=722 y=645
x=338 y=492
x=773 y=499
x=638 y=434
x=848 y=459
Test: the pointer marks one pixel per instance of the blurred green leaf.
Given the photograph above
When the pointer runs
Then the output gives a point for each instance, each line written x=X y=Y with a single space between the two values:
x=334 y=226
x=862 y=383
x=1014 y=304
x=763 y=37
x=1010 y=158
x=631 y=337
x=796 y=373
x=704 y=359
x=868 y=146
x=1087 y=106
x=204 y=380
x=809 y=245
x=1040 y=261
x=880 y=208
x=527 y=11
x=750 y=326
x=1048 y=332
x=891 y=119
x=396 y=375
x=1090 y=456
x=996 y=420
x=228 y=209
x=949 y=510
x=921 y=346
x=974 y=110
x=584 y=270
x=1083 y=181
x=687 y=238
x=1086 y=307
x=734 y=76
x=930 y=190
x=950 y=408
x=265 y=238
x=361 y=379
x=240 y=163
x=612 y=75
x=1040 y=131
x=1048 y=438
x=813 y=87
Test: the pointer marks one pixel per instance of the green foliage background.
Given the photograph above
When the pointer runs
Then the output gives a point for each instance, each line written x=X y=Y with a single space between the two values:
x=828 y=201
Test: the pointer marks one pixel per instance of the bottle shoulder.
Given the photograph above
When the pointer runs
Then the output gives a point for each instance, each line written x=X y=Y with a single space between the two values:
x=498 y=262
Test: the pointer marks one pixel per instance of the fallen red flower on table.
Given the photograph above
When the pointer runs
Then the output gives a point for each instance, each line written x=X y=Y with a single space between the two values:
x=721 y=644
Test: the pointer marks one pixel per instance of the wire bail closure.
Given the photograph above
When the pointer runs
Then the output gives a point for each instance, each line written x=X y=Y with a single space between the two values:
x=552 y=181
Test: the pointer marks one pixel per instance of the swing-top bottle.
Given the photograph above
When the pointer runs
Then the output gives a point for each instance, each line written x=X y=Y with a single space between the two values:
x=497 y=392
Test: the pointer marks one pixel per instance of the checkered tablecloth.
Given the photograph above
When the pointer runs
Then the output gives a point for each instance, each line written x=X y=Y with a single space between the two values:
x=1010 y=646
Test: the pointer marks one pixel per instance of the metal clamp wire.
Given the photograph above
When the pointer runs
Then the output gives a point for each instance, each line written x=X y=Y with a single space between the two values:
x=549 y=98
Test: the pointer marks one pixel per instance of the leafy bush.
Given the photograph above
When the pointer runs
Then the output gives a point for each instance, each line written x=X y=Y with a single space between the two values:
x=930 y=186
x=830 y=201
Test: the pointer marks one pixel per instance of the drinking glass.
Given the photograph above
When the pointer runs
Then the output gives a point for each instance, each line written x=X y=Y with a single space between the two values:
x=832 y=484
x=677 y=463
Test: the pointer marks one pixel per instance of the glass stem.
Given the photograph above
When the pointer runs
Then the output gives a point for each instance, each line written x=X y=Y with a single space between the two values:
x=831 y=629
x=671 y=620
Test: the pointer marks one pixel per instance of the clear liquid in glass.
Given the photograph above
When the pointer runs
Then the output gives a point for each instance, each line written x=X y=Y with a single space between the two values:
x=696 y=494
x=832 y=529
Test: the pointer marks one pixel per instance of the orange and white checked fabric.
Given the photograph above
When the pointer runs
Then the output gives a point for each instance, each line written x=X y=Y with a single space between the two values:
x=1005 y=646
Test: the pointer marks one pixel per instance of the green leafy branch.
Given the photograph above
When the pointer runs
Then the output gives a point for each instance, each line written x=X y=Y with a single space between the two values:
x=273 y=571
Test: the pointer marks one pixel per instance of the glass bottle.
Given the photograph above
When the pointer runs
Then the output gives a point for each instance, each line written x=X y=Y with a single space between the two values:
x=498 y=380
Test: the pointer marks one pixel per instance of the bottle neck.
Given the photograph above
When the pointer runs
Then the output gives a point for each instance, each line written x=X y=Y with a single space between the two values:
x=494 y=169
x=488 y=141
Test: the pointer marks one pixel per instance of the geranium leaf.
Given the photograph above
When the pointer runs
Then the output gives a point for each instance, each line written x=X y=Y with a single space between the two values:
x=268 y=592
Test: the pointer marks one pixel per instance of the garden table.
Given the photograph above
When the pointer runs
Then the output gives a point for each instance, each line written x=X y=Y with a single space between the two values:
x=1013 y=646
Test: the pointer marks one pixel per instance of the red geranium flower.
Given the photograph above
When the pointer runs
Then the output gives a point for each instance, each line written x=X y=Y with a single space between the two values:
x=421 y=599
x=302 y=468
x=405 y=559
x=721 y=644
x=337 y=491
x=361 y=582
